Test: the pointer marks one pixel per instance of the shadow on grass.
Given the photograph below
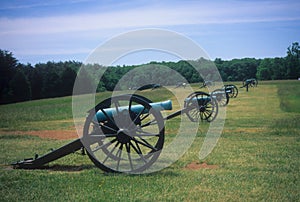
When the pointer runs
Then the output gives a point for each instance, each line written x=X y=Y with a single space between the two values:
x=12 y=136
x=69 y=168
x=78 y=168
x=154 y=174
x=56 y=167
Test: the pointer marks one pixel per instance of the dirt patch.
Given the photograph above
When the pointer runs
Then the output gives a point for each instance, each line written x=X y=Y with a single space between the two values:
x=197 y=166
x=49 y=134
x=245 y=130
x=55 y=134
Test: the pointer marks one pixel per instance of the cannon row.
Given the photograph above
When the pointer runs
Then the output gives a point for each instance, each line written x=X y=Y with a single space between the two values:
x=126 y=133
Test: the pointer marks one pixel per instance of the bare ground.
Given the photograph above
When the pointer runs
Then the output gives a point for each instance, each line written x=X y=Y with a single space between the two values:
x=49 y=134
x=196 y=166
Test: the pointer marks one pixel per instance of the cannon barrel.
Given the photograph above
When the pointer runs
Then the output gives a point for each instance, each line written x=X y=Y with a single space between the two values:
x=197 y=100
x=220 y=91
x=110 y=112
x=229 y=89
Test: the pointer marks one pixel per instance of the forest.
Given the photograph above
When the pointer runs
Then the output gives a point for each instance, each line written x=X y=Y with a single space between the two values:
x=21 y=82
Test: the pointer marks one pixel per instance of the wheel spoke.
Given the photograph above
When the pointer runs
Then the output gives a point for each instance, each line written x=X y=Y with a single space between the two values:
x=119 y=154
x=111 y=153
x=208 y=115
x=205 y=115
x=201 y=116
x=129 y=157
x=107 y=127
x=152 y=122
x=96 y=136
x=104 y=145
x=108 y=118
x=146 y=134
x=136 y=117
x=144 y=143
x=144 y=116
x=117 y=105
x=137 y=149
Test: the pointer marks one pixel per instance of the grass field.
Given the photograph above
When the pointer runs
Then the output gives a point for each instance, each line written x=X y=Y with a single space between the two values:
x=257 y=157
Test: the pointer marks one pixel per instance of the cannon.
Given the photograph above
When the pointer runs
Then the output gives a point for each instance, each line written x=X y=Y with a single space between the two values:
x=252 y=82
x=149 y=86
x=207 y=83
x=200 y=106
x=125 y=133
x=221 y=96
x=249 y=82
x=231 y=90
x=180 y=84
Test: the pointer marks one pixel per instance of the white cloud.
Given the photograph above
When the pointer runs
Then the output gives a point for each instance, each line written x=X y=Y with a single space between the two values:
x=153 y=16
x=80 y=32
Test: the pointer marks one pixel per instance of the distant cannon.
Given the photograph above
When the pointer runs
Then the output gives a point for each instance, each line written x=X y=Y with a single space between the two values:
x=149 y=86
x=231 y=90
x=250 y=83
x=221 y=96
x=125 y=133
x=207 y=83
x=201 y=106
x=180 y=84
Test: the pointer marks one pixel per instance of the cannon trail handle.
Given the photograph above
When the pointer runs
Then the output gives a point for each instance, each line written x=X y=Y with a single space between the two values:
x=51 y=156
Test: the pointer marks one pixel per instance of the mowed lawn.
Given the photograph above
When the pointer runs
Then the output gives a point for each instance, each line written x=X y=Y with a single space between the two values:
x=257 y=157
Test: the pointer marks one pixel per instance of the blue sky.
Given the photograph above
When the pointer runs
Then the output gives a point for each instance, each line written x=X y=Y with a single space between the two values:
x=40 y=31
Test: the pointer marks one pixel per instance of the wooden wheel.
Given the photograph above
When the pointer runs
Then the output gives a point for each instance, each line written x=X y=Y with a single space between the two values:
x=254 y=82
x=124 y=134
x=231 y=90
x=200 y=105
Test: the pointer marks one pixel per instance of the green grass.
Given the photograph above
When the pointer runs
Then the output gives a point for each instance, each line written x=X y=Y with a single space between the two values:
x=50 y=114
x=35 y=115
x=257 y=155
x=289 y=96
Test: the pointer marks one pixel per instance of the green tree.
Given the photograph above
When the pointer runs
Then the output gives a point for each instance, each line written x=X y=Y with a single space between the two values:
x=36 y=84
x=84 y=83
x=293 y=61
x=19 y=88
x=264 y=70
x=67 y=81
x=51 y=85
x=8 y=63
x=278 y=68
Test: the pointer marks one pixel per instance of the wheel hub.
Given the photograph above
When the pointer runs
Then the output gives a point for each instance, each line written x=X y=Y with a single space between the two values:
x=202 y=109
x=123 y=136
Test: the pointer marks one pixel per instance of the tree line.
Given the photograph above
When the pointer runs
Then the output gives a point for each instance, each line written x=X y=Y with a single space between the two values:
x=21 y=82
